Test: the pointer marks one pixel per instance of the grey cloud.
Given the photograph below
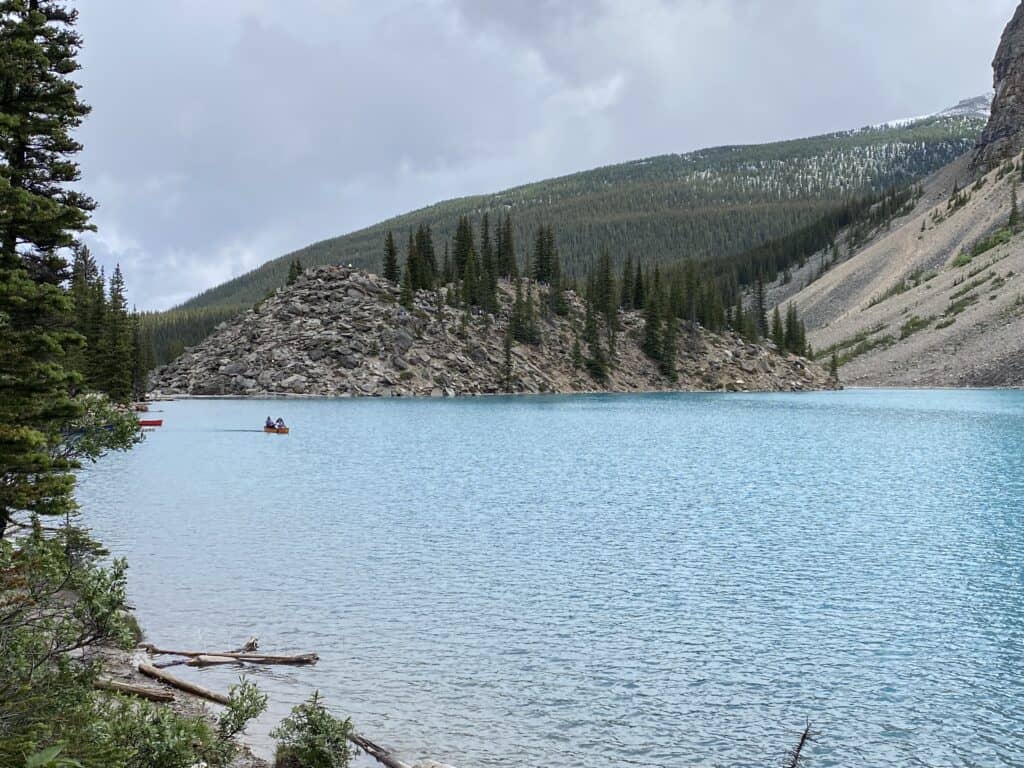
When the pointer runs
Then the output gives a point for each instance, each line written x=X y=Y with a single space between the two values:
x=225 y=134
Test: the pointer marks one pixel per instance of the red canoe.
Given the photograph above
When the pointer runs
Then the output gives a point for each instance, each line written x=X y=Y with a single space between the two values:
x=151 y=422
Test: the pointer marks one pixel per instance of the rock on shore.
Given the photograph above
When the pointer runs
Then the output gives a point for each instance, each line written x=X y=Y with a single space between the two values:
x=341 y=332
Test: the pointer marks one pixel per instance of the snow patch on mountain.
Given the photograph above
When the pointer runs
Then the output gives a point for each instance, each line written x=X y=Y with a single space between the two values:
x=977 y=106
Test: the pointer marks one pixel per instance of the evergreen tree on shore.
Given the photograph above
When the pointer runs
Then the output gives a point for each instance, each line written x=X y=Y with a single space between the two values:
x=391 y=270
x=41 y=216
x=294 y=270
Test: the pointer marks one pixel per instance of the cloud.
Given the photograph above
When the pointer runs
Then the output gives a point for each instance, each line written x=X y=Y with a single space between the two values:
x=225 y=134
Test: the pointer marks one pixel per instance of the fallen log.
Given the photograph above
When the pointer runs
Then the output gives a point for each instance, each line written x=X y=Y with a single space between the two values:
x=377 y=752
x=209 y=661
x=153 y=694
x=251 y=658
x=183 y=685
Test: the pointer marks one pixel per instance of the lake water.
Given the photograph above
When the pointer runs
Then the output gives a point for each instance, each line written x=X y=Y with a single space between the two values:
x=658 y=580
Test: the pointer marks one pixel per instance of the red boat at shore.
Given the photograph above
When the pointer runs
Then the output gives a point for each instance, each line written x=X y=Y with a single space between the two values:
x=151 y=422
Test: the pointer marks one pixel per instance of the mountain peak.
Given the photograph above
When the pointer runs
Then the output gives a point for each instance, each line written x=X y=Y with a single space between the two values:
x=978 y=106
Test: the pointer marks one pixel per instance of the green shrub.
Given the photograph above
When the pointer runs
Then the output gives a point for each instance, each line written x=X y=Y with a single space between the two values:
x=311 y=737
x=914 y=324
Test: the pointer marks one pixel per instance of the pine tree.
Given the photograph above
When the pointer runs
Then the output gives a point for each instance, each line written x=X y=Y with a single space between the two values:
x=407 y=295
x=40 y=215
x=760 y=308
x=448 y=273
x=540 y=266
x=471 y=280
x=391 y=271
x=488 y=268
x=118 y=343
x=294 y=270
x=596 y=363
x=462 y=246
x=833 y=368
x=739 y=317
x=652 y=344
x=626 y=290
x=577 y=352
x=507 y=370
x=1014 y=222
x=669 y=340
x=507 y=267
x=778 y=333
x=426 y=275
x=143 y=360
x=639 y=291
x=795 y=336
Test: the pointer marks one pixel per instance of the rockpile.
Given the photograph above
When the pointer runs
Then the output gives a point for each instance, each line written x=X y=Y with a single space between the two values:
x=342 y=332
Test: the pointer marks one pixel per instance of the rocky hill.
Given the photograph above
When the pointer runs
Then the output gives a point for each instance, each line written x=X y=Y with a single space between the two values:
x=342 y=332
x=937 y=298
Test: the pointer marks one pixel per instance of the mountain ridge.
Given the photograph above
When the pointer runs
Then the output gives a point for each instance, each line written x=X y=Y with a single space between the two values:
x=701 y=203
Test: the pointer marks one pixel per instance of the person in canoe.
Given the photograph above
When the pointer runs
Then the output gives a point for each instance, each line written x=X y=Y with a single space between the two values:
x=269 y=423
x=279 y=423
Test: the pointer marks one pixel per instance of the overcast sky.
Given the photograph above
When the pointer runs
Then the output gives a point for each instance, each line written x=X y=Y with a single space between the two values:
x=227 y=133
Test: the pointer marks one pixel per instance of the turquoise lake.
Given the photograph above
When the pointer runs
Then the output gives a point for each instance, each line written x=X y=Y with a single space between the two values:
x=655 y=580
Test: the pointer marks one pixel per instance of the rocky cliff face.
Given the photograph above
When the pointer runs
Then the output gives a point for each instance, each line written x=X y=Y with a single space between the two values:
x=1004 y=135
x=341 y=332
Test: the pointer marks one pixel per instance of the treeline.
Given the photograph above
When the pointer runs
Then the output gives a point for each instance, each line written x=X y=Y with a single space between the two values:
x=115 y=353
x=705 y=205
x=686 y=294
x=167 y=334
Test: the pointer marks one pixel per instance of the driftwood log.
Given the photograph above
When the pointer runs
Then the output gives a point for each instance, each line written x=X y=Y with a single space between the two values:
x=246 y=656
x=153 y=694
x=184 y=685
x=377 y=752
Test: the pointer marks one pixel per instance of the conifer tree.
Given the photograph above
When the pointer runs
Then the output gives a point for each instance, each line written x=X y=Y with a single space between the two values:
x=1014 y=222
x=795 y=335
x=833 y=368
x=540 y=267
x=507 y=370
x=406 y=296
x=426 y=261
x=626 y=290
x=391 y=271
x=596 y=363
x=739 y=317
x=507 y=267
x=448 y=275
x=462 y=246
x=760 y=308
x=669 y=340
x=652 y=343
x=118 y=343
x=778 y=333
x=639 y=292
x=294 y=270
x=470 y=280
x=488 y=268
x=40 y=216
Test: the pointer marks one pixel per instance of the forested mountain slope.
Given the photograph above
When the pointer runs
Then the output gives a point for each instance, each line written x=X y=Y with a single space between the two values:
x=705 y=204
